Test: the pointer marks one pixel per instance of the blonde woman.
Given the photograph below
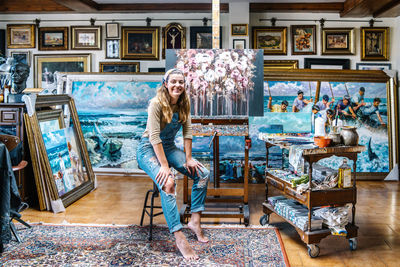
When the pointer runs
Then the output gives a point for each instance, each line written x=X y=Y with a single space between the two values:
x=168 y=111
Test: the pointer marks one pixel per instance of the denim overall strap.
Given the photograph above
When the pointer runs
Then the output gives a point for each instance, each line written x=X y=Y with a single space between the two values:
x=168 y=134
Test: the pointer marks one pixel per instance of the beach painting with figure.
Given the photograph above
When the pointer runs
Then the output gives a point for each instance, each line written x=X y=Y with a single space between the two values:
x=221 y=82
x=112 y=111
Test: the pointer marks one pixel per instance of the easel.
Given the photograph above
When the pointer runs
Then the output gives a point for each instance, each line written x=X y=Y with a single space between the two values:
x=217 y=194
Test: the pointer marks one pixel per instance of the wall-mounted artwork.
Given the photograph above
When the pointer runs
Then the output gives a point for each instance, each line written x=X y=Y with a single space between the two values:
x=173 y=37
x=112 y=110
x=21 y=36
x=271 y=39
x=221 y=82
x=339 y=41
x=86 y=37
x=201 y=37
x=375 y=43
x=140 y=43
x=304 y=40
x=53 y=38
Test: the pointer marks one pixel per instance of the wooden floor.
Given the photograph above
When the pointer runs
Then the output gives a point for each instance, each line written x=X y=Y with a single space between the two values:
x=119 y=200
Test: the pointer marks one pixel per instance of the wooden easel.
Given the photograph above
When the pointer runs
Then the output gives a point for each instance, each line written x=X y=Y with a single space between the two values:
x=217 y=195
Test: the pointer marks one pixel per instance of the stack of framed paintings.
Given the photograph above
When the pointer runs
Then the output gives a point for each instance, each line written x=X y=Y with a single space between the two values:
x=62 y=169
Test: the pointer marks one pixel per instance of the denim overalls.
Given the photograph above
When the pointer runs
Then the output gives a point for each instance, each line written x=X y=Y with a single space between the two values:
x=176 y=158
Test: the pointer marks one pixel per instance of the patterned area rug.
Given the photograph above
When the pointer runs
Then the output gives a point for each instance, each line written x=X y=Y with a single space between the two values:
x=57 y=245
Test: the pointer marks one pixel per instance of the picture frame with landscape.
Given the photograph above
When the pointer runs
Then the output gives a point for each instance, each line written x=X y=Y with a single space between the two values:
x=374 y=43
x=141 y=43
x=86 y=37
x=53 y=38
x=304 y=40
x=273 y=40
x=21 y=36
x=119 y=66
x=337 y=41
x=239 y=29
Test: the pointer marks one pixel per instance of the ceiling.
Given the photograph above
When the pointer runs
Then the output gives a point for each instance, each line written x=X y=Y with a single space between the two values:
x=346 y=8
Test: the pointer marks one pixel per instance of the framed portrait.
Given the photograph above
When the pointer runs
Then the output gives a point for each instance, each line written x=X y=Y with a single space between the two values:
x=337 y=41
x=119 y=66
x=112 y=48
x=375 y=43
x=327 y=63
x=21 y=57
x=239 y=43
x=112 y=30
x=173 y=37
x=86 y=37
x=304 y=40
x=45 y=67
x=140 y=43
x=21 y=36
x=373 y=66
x=53 y=38
x=280 y=64
x=239 y=29
x=201 y=37
x=61 y=147
x=271 y=39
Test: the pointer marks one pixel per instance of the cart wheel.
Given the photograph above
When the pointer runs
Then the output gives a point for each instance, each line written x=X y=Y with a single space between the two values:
x=246 y=215
x=313 y=250
x=353 y=243
x=264 y=219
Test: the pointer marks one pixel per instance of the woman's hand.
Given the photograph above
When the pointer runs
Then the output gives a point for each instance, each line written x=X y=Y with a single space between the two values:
x=163 y=174
x=193 y=166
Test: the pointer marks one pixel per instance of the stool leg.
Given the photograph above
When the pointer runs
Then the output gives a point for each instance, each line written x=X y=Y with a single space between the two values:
x=14 y=231
x=151 y=215
x=144 y=207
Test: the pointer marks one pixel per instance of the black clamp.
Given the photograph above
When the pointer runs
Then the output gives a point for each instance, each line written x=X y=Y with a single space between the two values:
x=205 y=20
x=37 y=22
x=273 y=22
x=92 y=21
x=148 y=22
x=371 y=22
x=322 y=22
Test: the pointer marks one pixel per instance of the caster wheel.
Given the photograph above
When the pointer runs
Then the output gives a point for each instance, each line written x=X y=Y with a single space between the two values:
x=353 y=243
x=264 y=219
x=313 y=250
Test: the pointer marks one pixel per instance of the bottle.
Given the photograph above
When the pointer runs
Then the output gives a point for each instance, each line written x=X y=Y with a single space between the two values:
x=6 y=93
x=1 y=95
x=344 y=180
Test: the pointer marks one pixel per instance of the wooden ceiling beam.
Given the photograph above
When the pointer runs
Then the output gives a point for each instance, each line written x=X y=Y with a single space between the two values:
x=392 y=8
x=296 y=7
x=81 y=6
x=167 y=7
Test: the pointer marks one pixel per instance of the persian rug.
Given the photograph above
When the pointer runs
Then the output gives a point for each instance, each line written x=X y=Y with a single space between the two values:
x=77 y=245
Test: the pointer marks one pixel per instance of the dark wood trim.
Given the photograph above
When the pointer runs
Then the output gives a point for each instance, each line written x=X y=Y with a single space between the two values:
x=385 y=8
x=175 y=7
x=298 y=7
x=355 y=8
x=79 y=5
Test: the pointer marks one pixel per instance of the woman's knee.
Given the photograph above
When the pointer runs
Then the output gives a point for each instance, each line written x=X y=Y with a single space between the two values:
x=169 y=186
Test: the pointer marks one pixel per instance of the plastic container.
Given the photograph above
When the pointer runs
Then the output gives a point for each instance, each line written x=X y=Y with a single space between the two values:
x=322 y=141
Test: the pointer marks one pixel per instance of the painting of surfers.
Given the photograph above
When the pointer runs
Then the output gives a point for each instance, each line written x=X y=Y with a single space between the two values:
x=74 y=157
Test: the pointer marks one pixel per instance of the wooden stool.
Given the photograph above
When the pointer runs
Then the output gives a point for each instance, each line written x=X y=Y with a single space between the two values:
x=154 y=193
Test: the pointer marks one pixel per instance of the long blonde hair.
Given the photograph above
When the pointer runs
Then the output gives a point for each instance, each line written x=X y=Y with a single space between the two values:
x=164 y=99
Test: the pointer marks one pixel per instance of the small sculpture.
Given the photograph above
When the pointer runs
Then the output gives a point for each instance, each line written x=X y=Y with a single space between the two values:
x=19 y=75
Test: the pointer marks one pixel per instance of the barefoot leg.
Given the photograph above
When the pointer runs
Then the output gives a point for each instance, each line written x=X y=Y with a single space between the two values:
x=195 y=226
x=184 y=247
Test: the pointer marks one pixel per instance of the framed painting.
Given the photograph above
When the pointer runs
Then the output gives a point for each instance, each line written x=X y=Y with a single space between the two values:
x=337 y=41
x=173 y=37
x=112 y=138
x=271 y=39
x=280 y=64
x=140 y=43
x=45 y=67
x=61 y=148
x=327 y=63
x=373 y=66
x=201 y=37
x=239 y=29
x=119 y=66
x=375 y=43
x=112 y=48
x=21 y=36
x=53 y=38
x=86 y=37
x=239 y=43
x=304 y=40
x=112 y=30
x=21 y=57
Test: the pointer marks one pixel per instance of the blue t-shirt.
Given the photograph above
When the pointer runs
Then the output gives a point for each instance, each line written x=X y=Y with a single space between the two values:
x=321 y=105
x=357 y=98
x=369 y=110
x=299 y=104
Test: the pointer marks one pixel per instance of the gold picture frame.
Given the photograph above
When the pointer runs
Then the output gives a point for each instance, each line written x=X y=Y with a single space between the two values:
x=70 y=144
x=239 y=29
x=86 y=37
x=53 y=38
x=118 y=66
x=374 y=43
x=337 y=41
x=21 y=36
x=280 y=65
x=303 y=38
x=141 y=43
x=173 y=37
x=273 y=40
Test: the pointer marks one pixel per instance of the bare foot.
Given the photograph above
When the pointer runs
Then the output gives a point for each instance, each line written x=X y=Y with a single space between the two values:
x=196 y=228
x=184 y=247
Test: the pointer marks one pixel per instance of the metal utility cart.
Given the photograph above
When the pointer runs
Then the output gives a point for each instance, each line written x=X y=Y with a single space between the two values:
x=316 y=198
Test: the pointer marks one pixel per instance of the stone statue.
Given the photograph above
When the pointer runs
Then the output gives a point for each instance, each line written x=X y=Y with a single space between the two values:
x=19 y=75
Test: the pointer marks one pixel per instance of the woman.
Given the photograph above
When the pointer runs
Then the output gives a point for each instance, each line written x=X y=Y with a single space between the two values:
x=168 y=111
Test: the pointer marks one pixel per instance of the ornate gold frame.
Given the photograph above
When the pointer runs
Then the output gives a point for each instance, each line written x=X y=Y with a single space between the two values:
x=382 y=55
x=166 y=30
x=280 y=64
x=76 y=30
x=350 y=50
x=155 y=48
x=233 y=33
x=281 y=30
x=64 y=30
x=29 y=27
x=102 y=64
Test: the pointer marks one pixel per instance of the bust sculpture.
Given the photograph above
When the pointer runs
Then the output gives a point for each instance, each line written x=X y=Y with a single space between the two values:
x=19 y=75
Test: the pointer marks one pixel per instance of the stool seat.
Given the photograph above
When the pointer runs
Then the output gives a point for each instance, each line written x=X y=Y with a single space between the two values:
x=154 y=193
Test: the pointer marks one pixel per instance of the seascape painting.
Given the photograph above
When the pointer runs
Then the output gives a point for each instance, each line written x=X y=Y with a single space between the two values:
x=112 y=111
x=221 y=82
